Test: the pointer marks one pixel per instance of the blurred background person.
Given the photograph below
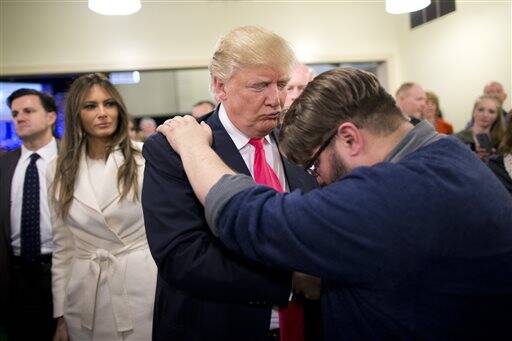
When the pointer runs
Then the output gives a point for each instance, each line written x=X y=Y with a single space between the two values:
x=103 y=275
x=300 y=77
x=486 y=120
x=26 y=247
x=202 y=108
x=147 y=126
x=501 y=164
x=496 y=90
x=432 y=114
x=132 y=130
x=411 y=99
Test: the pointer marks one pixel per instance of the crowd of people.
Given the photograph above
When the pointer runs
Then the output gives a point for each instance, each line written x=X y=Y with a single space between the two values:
x=487 y=133
x=296 y=208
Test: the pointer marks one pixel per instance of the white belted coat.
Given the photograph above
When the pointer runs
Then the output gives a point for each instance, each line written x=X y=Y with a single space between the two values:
x=103 y=275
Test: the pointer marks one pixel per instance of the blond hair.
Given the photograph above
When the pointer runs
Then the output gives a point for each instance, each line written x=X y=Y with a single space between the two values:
x=497 y=128
x=249 y=46
x=404 y=88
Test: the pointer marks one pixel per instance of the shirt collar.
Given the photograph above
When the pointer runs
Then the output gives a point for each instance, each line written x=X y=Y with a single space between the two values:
x=421 y=135
x=47 y=152
x=239 y=138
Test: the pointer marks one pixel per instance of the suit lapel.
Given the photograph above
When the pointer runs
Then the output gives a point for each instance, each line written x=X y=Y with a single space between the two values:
x=295 y=175
x=224 y=146
x=110 y=191
x=226 y=149
x=83 y=187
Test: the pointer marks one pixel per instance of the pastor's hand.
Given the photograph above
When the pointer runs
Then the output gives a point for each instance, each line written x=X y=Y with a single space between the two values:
x=184 y=132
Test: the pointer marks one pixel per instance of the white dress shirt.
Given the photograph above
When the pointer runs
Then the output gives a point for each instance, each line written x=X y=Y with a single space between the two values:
x=47 y=154
x=247 y=151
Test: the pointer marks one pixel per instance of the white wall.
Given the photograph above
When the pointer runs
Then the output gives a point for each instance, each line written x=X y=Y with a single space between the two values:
x=60 y=36
x=456 y=55
x=165 y=92
x=154 y=94
x=194 y=86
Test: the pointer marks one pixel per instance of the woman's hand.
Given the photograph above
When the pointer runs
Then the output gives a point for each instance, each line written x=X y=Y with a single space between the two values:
x=483 y=153
x=61 y=332
x=185 y=132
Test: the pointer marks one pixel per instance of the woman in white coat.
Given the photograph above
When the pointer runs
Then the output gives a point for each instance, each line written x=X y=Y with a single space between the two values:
x=103 y=275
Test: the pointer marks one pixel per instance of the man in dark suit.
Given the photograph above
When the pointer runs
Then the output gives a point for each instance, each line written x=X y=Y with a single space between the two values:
x=205 y=292
x=26 y=241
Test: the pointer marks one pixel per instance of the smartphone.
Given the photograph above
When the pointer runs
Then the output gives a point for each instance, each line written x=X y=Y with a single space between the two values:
x=484 y=141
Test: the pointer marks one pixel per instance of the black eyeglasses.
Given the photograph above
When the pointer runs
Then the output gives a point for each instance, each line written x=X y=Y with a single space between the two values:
x=312 y=166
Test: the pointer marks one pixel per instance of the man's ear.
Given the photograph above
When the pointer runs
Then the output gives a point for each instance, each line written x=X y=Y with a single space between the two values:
x=350 y=138
x=219 y=89
x=52 y=117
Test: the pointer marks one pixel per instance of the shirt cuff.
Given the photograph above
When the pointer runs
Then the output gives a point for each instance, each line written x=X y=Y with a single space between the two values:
x=227 y=187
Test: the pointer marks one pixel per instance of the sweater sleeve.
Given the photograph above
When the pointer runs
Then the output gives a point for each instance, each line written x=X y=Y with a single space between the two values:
x=347 y=230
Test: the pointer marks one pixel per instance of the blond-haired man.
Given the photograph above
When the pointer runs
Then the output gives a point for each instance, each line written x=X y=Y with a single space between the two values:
x=205 y=292
x=411 y=99
x=300 y=77
x=496 y=90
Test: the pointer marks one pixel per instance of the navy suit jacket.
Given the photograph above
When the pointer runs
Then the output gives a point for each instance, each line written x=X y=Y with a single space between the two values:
x=204 y=291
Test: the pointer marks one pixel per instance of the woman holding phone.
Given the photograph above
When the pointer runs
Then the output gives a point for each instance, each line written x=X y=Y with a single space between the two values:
x=486 y=129
x=103 y=275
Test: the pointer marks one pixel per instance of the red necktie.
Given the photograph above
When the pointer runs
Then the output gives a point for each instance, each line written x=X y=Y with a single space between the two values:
x=291 y=318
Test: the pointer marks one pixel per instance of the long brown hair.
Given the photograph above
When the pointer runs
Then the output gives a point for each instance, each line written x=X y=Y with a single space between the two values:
x=497 y=128
x=75 y=138
x=506 y=142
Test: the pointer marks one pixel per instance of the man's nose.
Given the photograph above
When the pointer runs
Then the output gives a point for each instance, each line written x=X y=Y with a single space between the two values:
x=273 y=96
x=20 y=117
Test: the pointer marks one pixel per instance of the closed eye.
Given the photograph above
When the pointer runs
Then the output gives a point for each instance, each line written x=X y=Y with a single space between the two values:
x=259 y=86
x=281 y=85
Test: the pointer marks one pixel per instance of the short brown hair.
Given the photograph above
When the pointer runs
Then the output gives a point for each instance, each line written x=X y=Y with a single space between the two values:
x=47 y=101
x=332 y=98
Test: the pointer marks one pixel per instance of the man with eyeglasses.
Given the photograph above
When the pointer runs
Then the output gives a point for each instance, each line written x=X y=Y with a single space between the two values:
x=412 y=234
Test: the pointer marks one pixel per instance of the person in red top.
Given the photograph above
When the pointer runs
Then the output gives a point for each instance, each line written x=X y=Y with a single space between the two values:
x=432 y=114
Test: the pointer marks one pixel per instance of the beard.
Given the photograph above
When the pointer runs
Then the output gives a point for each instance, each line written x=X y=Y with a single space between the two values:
x=339 y=168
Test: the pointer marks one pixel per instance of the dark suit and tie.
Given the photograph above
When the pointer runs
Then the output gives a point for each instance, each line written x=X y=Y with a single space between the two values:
x=26 y=277
x=26 y=232
x=204 y=292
